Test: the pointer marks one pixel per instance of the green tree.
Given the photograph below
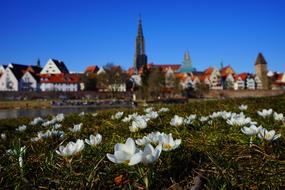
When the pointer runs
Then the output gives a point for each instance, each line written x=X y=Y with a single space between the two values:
x=156 y=82
x=90 y=82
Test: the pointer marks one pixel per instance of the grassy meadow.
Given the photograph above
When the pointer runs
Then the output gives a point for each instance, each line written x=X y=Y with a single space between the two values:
x=214 y=152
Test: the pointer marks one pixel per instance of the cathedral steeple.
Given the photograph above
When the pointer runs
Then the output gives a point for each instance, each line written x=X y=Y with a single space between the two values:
x=140 y=57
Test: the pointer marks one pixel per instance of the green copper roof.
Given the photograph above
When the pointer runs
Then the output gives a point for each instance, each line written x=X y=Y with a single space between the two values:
x=186 y=65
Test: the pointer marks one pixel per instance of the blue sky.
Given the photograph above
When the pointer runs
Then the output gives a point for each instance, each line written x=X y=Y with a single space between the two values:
x=93 y=32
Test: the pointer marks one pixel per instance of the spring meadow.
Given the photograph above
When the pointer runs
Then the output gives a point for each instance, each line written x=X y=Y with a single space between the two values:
x=219 y=144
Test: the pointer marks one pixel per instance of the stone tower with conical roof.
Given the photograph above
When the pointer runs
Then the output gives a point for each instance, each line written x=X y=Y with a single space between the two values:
x=261 y=70
x=140 y=57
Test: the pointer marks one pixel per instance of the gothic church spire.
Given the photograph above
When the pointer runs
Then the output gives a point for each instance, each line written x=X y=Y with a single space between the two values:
x=140 y=57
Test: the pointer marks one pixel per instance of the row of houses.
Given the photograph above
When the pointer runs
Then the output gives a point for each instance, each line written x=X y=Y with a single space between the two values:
x=55 y=76
x=219 y=79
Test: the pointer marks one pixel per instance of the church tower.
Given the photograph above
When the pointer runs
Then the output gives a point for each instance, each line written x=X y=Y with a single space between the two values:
x=187 y=64
x=140 y=57
x=261 y=70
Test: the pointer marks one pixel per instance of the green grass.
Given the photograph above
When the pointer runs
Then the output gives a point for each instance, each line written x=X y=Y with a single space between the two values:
x=220 y=154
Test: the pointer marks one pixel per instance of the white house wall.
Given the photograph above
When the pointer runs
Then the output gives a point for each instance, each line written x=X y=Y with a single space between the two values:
x=50 y=68
x=27 y=77
x=62 y=87
x=8 y=75
x=250 y=84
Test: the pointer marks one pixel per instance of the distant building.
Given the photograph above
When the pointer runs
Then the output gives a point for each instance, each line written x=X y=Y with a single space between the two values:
x=258 y=83
x=30 y=81
x=212 y=77
x=186 y=65
x=228 y=81
x=280 y=81
x=91 y=69
x=56 y=77
x=250 y=83
x=140 y=56
x=54 y=66
x=60 y=82
x=17 y=77
x=2 y=69
x=240 y=81
x=261 y=71
x=227 y=77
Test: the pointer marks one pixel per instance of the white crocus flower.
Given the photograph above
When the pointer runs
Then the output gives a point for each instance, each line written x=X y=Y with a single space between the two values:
x=268 y=135
x=19 y=153
x=133 y=128
x=130 y=117
x=163 y=110
x=148 y=110
x=243 y=107
x=226 y=115
x=278 y=116
x=56 y=133
x=126 y=153
x=143 y=141
x=204 y=118
x=21 y=128
x=94 y=140
x=48 y=123
x=168 y=143
x=59 y=117
x=76 y=128
x=39 y=137
x=252 y=130
x=37 y=121
x=215 y=115
x=3 y=136
x=94 y=114
x=176 y=121
x=56 y=126
x=71 y=148
x=16 y=152
x=265 y=113
x=188 y=120
x=81 y=114
x=21 y=161
x=154 y=137
x=239 y=121
x=150 y=154
x=151 y=115
x=138 y=123
x=118 y=115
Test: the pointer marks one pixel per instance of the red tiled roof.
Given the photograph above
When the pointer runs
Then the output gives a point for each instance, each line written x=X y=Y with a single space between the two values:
x=208 y=71
x=163 y=67
x=206 y=74
x=243 y=76
x=225 y=71
x=92 y=69
x=203 y=77
x=59 y=78
x=279 y=77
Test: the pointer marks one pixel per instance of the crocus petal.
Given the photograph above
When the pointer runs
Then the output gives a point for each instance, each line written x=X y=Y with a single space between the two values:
x=136 y=158
x=121 y=156
x=112 y=158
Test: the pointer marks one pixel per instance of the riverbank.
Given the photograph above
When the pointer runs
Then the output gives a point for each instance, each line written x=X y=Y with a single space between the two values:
x=17 y=104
